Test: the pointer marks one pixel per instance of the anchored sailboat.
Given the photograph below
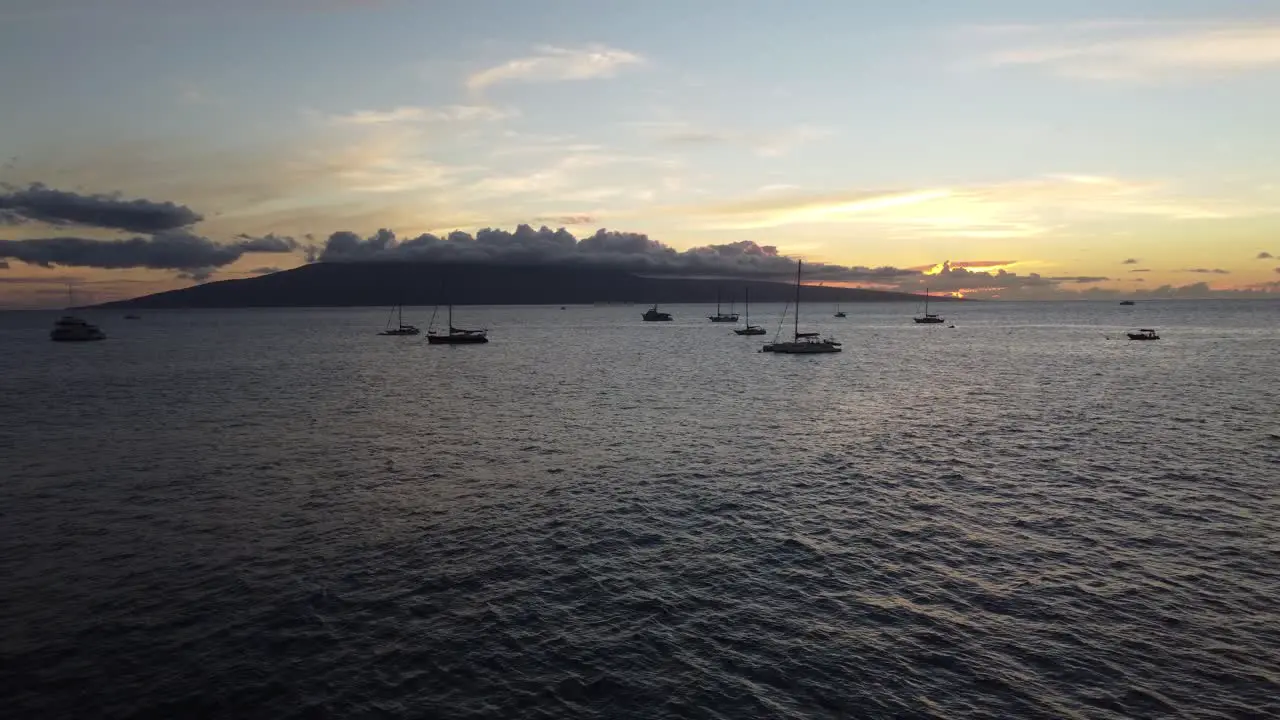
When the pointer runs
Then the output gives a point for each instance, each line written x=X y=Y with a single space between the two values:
x=400 y=328
x=802 y=343
x=928 y=318
x=749 y=329
x=720 y=317
x=457 y=336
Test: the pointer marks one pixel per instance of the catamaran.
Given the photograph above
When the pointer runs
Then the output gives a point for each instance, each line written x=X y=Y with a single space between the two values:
x=802 y=343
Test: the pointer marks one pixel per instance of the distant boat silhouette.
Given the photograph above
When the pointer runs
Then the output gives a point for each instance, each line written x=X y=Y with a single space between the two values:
x=73 y=329
x=457 y=336
x=749 y=329
x=802 y=343
x=839 y=312
x=1126 y=302
x=928 y=318
x=652 y=315
x=720 y=317
x=1143 y=334
x=400 y=328
x=69 y=328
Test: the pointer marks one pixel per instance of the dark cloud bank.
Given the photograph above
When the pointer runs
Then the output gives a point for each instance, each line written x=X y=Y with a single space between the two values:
x=165 y=240
x=37 y=203
x=632 y=252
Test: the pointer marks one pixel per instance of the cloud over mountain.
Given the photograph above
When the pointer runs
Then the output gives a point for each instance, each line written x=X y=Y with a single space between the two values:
x=632 y=252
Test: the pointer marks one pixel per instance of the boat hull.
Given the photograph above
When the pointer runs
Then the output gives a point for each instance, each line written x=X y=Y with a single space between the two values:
x=723 y=318
x=661 y=317
x=751 y=331
x=802 y=348
x=457 y=339
x=1133 y=336
x=929 y=321
x=77 y=338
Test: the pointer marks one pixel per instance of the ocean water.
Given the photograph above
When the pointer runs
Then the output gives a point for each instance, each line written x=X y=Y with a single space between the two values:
x=278 y=514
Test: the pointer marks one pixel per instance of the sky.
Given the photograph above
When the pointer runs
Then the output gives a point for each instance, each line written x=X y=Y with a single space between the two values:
x=993 y=149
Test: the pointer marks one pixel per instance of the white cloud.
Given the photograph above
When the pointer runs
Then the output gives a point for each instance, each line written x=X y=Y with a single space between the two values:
x=550 y=64
x=421 y=114
x=776 y=143
x=1015 y=209
x=1135 y=50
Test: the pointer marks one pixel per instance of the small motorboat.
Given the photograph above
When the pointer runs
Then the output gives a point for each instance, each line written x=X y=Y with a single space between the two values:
x=1143 y=334
x=1126 y=302
x=652 y=315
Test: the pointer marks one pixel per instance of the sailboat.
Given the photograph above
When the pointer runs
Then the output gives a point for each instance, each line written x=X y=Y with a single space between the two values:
x=749 y=329
x=802 y=343
x=928 y=318
x=456 y=336
x=720 y=317
x=400 y=328
x=839 y=312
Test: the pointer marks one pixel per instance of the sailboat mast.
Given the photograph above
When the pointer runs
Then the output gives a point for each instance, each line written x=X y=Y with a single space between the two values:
x=450 y=318
x=746 y=298
x=797 y=318
x=926 y=302
x=717 y=301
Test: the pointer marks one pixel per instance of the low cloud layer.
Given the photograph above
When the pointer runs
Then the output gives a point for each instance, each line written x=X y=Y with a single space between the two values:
x=1130 y=261
x=178 y=250
x=1264 y=255
x=1208 y=271
x=633 y=252
x=167 y=243
x=38 y=203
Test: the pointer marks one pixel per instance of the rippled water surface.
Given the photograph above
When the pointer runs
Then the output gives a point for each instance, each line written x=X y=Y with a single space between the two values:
x=279 y=514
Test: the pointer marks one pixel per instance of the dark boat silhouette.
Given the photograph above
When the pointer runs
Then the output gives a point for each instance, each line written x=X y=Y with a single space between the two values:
x=749 y=329
x=928 y=318
x=1143 y=334
x=399 y=328
x=457 y=336
x=802 y=343
x=719 y=317
x=652 y=315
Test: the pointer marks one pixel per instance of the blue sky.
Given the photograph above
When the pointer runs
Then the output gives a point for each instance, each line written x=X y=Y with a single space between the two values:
x=1059 y=138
